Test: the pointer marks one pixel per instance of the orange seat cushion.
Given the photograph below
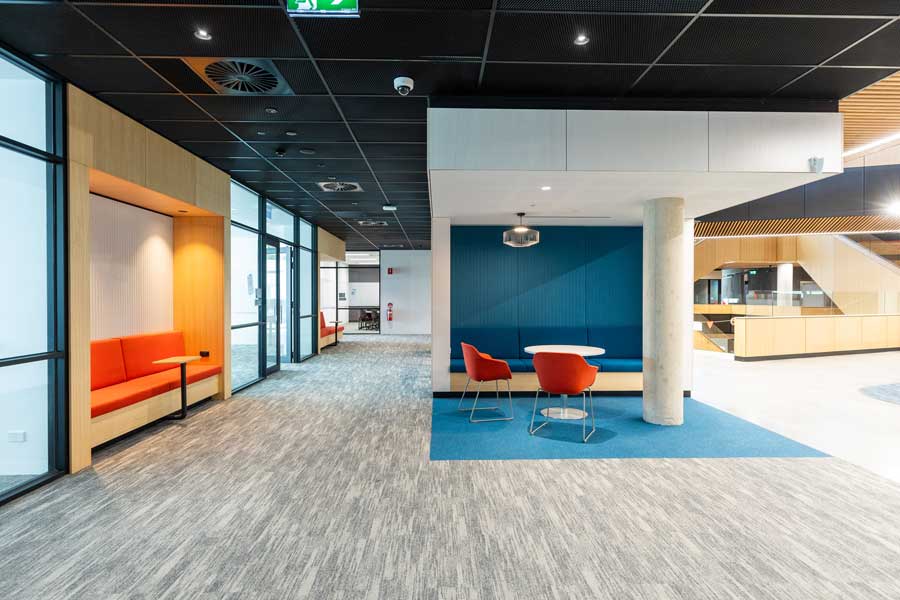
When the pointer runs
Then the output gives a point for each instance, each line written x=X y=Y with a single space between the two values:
x=139 y=352
x=131 y=392
x=118 y=396
x=107 y=363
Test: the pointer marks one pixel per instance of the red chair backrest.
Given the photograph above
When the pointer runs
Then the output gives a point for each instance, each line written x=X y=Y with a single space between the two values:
x=562 y=373
x=477 y=368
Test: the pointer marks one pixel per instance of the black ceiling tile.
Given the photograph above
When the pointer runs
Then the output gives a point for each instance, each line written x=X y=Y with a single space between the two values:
x=323 y=165
x=549 y=37
x=806 y=7
x=180 y=75
x=220 y=149
x=626 y=6
x=278 y=132
x=383 y=109
x=398 y=34
x=295 y=150
x=260 y=3
x=394 y=150
x=394 y=187
x=154 y=106
x=390 y=132
x=54 y=28
x=266 y=177
x=549 y=79
x=403 y=177
x=169 y=31
x=371 y=77
x=106 y=74
x=253 y=108
x=428 y=4
x=179 y=131
x=240 y=164
x=716 y=81
x=833 y=83
x=398 y=164
x=301 y=76
x=305 y=177
x=766 y=41
x=882 y=49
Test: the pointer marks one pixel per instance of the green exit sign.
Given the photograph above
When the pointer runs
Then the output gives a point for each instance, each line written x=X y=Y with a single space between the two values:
x=323 y=8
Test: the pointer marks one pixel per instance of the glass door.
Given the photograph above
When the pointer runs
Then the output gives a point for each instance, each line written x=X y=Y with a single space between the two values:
x=273 y=306
x=286 y=302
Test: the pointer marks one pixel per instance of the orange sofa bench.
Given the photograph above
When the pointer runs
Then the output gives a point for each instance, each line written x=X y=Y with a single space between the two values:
x=327 y=333
x=123 y=375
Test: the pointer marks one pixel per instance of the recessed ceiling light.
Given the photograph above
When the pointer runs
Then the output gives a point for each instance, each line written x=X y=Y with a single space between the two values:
x=546 y=188
x=389 y=207
x=582 y=40
x=271 y=110
x=307 y=151
x=321 y=165
x=260 y=132
x=290 y=133
x=202 y=34
x=332 y=178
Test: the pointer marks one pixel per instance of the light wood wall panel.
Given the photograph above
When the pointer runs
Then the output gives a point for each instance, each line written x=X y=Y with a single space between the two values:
x=131 y=270
x=714 y=253
x=797 y=336
x=79 y=306
x=170 y=169
x=200 y=285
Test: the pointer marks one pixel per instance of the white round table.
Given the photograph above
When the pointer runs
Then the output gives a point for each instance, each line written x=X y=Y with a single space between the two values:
x=565 y=412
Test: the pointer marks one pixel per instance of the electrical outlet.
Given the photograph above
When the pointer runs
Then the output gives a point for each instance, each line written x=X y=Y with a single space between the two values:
x=15 y=436
x=204 y=353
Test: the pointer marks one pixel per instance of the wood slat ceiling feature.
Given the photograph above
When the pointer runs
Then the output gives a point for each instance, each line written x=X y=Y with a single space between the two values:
x=872 y=113
x=847 y=224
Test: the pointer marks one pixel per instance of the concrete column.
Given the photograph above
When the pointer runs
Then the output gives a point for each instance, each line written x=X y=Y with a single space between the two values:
x=440 y=304
x=664 y=312
x=785 y=287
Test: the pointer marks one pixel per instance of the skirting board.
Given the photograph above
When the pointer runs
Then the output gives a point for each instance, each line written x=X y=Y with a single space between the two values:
x=490 y=393
x=813 y=354
x=128 y=418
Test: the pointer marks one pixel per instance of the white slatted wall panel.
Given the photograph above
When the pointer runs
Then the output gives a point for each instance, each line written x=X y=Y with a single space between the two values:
x=131 y=270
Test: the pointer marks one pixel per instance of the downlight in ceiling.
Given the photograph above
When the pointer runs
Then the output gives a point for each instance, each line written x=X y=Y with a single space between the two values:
x=372 y=223
x=240 y=76
x=339 y=186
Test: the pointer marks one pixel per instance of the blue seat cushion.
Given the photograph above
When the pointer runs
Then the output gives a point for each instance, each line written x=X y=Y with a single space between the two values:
x=618 y=365
x=516 y=365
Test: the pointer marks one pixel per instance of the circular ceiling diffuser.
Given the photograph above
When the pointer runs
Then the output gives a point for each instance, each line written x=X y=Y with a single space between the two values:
x=241 y=76
x=340 y=186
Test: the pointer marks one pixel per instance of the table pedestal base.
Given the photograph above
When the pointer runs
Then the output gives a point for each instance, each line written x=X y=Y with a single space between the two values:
x=565 y=413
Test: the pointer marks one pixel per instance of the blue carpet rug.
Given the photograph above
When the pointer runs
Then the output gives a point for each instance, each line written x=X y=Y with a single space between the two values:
x=621 y=433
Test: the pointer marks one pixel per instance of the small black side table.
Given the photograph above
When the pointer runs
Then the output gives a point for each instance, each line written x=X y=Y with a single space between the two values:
x=182 y=361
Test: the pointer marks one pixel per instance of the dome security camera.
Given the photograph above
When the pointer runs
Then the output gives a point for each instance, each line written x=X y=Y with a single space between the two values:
x=404 y=85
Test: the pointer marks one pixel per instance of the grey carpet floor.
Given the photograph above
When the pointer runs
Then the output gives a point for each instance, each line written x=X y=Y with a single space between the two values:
x=316 y=484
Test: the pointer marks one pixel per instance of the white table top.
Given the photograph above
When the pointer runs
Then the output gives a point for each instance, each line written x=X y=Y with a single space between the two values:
x=579 y=350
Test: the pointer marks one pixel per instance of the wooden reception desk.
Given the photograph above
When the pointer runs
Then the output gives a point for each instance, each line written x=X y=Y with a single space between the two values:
x=763 y=338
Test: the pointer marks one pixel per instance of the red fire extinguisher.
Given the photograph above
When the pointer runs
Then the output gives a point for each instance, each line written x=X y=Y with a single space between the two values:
x=390 y=311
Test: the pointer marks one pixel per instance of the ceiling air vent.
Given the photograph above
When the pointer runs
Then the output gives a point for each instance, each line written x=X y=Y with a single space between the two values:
x=372 y=223
x=339 y=186
x=240 y=76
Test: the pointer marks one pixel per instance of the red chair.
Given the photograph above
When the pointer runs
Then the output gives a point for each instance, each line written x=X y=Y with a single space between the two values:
x=482 y=367
x=564 y=374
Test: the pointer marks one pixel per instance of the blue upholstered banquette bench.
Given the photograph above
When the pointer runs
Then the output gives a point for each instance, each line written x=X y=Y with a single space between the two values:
x=622 y=345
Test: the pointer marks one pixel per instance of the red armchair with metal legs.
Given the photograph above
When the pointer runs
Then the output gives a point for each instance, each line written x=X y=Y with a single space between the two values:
x=566 y=375
x=482 y=367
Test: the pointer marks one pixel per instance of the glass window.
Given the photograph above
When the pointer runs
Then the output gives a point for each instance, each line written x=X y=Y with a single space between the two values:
x=306 y=234
x=244 y=206
x=23 y=246
x=244 y=356
x=306 y=337
x=244 y=278
x=279 y=222
x=23 y=106
x=32 y=397
x=306 y=275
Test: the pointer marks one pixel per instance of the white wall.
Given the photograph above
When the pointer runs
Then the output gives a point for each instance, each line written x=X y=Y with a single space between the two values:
x=131 y=270
x=409 y=288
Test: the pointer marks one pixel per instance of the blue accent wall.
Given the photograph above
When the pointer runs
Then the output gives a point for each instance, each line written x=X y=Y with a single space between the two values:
x=580 y=285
